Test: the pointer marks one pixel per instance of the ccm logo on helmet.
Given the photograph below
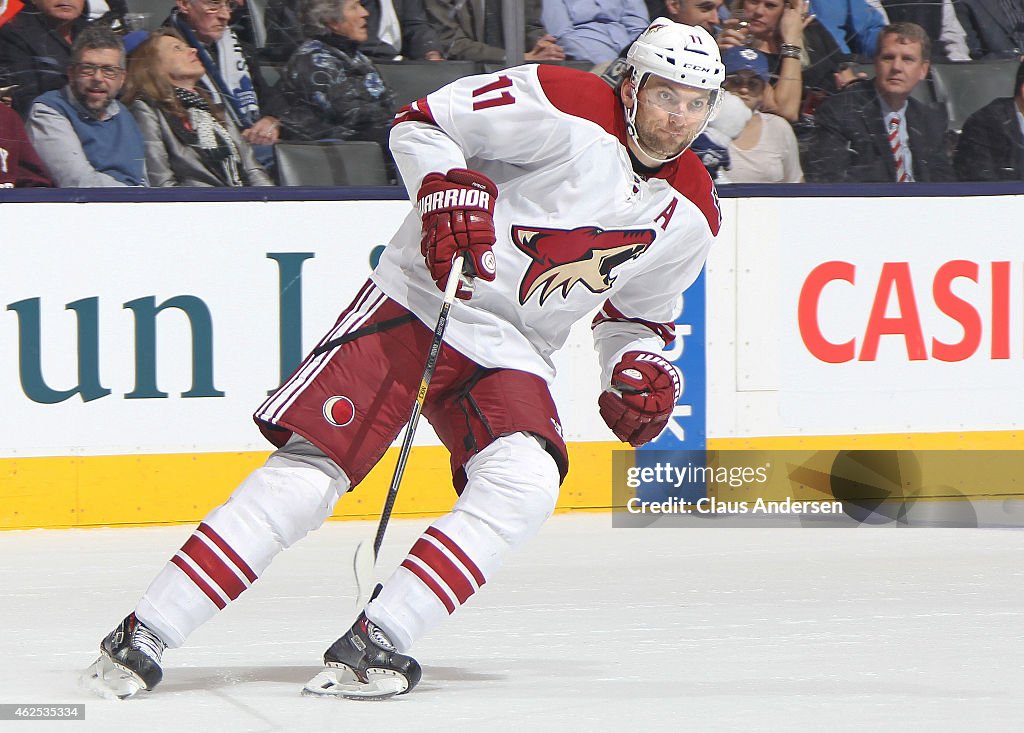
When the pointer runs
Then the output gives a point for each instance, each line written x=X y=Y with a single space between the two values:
x=705 y=69
x=460 y=197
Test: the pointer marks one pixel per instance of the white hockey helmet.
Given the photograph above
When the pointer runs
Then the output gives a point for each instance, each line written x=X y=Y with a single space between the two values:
x=684 y=54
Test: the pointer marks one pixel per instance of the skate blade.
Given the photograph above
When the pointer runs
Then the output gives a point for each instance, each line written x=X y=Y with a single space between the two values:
x=109 y=680
x=340 y=681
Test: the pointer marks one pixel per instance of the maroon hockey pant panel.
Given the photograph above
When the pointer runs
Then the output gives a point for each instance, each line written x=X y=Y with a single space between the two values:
x=353 y=394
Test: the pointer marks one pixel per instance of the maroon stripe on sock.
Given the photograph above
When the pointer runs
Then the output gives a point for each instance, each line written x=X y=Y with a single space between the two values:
x=229 y=551
x=457 y=551
x=200 y=583
x=444 y=567
x=217 y=569
x=430 y=583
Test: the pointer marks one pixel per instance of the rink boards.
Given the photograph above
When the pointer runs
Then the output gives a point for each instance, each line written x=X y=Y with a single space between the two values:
x=138 y=337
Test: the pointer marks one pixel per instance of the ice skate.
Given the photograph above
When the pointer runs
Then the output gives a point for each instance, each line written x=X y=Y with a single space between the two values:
x=129 y=661
x=364 y=665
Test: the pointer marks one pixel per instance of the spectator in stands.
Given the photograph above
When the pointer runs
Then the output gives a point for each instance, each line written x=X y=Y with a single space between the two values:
x=232 y=74
x=189 y=140
x=83 y=134
x=991 y=146
x=20 y=166
x=803 y=57
x=873 y=130
x=939 y=20
x=594 y=30
x=334 y=92
x=854 y=24
x=472 y=30
x=35 y=48
x=705 y=13
x=994 y=28
x=396 y=30
x=765 y=151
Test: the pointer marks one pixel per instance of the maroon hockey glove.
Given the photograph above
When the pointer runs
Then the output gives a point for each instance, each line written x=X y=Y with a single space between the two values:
x=648 y=387
x=457 y=211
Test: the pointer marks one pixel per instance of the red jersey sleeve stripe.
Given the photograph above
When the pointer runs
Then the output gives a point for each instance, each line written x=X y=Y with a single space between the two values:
x=199 y=582
x=430 y=583
x=228 y=551
x=665 y=331
x=461 y=556
x=418 y=111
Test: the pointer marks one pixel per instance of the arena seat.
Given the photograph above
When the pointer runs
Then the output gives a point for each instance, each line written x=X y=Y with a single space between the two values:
x=967 y=87
x=410 y=80
x=155 y=10
x=350 y=163
x=490 y=68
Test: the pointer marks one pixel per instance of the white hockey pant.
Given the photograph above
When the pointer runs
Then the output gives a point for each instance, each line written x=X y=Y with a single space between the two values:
x=511 y=490
x=276 y=506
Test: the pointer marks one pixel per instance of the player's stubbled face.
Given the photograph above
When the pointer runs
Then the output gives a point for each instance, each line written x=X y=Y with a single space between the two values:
x=669 y=116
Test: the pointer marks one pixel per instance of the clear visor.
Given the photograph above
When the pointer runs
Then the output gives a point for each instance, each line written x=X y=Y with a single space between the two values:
x=691 y=105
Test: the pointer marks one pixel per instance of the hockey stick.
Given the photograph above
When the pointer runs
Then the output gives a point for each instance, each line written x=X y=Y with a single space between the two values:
x=363 y=563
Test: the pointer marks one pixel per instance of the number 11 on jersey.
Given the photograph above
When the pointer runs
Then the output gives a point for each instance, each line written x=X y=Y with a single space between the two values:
x=482 y=101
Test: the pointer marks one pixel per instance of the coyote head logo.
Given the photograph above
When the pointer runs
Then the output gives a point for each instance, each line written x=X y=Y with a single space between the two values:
x=564 y=257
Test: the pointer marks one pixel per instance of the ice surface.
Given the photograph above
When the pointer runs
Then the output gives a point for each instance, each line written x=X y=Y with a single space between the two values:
x=588 y=628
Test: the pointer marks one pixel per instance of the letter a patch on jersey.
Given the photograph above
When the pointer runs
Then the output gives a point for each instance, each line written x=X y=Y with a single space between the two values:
x=564 y=257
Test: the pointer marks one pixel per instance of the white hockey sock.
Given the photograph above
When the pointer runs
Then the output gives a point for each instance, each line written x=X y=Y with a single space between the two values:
x=276 y=505
x=511 y=490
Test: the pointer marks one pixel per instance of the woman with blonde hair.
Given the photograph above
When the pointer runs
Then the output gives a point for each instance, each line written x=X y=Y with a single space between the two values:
x=188 y=140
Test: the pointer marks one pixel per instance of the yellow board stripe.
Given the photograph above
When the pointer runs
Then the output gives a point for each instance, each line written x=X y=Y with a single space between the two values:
x=97 y=491
x=991 y=440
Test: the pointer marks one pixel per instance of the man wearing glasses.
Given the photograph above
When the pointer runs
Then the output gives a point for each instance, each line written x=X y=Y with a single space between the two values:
x=84 y=135
x=233 y=75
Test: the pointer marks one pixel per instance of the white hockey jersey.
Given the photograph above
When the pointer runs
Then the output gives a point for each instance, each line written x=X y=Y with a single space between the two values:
x=577 y=229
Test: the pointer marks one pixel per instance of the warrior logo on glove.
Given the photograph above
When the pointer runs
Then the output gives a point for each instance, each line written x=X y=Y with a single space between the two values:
x=457 y=209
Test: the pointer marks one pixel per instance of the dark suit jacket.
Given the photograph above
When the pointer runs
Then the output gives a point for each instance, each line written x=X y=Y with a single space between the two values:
x=418 y=36
x=460 y=26
x=991 y=146
x=33 y=56
x=985 y=24
x=850 y=143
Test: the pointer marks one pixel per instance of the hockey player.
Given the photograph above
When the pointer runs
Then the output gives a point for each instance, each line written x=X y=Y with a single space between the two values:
x=565 y=197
